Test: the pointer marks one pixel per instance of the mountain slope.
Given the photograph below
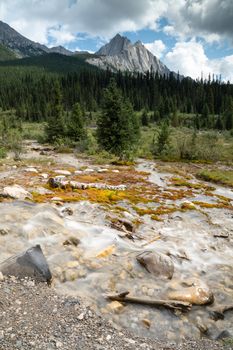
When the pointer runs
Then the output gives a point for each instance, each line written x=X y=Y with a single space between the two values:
x=51 y=62
x=17 y=43
x=6 y=54
x=121 y=54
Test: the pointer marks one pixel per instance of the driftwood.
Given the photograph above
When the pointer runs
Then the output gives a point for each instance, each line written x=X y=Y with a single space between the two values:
x=218 y=312
x=60 y=182
x=173 y=305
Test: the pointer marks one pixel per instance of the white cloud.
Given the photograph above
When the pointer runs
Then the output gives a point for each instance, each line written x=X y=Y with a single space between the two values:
x=189 y=59
x=61 y=36
x=157 y=48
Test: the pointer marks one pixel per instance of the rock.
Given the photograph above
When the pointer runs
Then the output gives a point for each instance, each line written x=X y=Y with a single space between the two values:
x=31 y=170
x=62 y=172
x=106 y=252
x=3 y=232
x=197 y=294
x=115 y=307
x=223 y=335
x=122 y=224
x=42 y=190
x=45 y=176
x=16 y=192
x=158 y=264
x=72 y=241
x=56 y=199
x=78 y=172
x=1 y=277
x=146 y=323
x=68 y=211
x=31 y=263
x=72 y=263
x=89 y=170
x=70 y=275
x=102 y=170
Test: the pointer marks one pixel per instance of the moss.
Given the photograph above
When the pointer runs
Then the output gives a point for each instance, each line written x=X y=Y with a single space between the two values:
x=224 y=177
x=180 y=182
x=213 y=205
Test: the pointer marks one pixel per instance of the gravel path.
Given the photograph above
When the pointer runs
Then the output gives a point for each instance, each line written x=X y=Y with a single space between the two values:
x=34 y=317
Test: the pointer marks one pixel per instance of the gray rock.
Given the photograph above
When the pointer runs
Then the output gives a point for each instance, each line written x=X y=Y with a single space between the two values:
x=16 y=192
x=31 y=263
x=158 y=264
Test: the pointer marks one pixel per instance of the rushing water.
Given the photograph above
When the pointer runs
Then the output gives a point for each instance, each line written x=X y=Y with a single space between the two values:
x=188 y=237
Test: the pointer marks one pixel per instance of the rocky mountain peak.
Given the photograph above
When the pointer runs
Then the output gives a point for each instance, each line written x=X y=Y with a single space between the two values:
x=115 y=47
x=121 y=54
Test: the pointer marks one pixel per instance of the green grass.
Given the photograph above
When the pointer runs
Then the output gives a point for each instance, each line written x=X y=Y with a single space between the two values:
x=224 y=177
x=33 y=131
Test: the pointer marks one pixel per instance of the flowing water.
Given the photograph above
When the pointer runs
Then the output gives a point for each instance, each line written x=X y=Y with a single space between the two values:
x=105 y=262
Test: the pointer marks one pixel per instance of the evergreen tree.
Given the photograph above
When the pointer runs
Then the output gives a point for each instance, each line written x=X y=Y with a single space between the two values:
x=76 y=126
x=55 y=124
x=162 y=139
x=117 y=125
x=145 y=118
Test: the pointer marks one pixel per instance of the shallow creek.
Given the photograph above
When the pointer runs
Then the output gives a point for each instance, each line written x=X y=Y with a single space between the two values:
x=90 y=271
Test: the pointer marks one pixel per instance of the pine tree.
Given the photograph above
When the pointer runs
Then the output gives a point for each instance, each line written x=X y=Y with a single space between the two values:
x=117 y=125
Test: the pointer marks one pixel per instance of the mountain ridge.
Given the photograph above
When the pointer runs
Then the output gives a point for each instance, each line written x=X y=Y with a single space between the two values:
x=120 y=54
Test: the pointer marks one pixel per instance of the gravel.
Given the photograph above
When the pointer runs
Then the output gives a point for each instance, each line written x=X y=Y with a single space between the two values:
x=34 y=317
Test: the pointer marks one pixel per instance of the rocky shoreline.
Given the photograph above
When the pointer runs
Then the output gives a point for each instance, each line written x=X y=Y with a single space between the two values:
x=33 y=316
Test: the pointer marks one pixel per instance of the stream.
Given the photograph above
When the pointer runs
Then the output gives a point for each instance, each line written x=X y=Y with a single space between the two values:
x=101 y=261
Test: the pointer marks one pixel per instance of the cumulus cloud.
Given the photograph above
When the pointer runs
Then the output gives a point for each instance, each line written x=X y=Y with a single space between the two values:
x=102 y=18
x=157 y=48
x=210 y=19
x=189 y=59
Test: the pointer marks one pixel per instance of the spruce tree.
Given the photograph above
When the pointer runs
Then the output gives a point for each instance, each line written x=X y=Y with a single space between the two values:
x=117 y=125
x=55 y=123
x=76 y=126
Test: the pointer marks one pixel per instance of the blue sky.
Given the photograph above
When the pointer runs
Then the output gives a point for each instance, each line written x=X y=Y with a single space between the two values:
x=193 y=37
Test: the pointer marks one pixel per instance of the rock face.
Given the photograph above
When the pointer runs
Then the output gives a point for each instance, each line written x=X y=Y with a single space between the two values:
x=121 y=54
x=159 y=265
x=198 y=294
x=31 y=263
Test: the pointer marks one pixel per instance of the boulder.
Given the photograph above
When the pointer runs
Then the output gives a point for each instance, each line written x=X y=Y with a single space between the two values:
x=16 y=192
x=31 y=263
x=197 y=294
x=158 y=264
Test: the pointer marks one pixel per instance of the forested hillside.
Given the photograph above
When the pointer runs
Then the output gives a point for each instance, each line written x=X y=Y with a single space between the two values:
x=27 y=86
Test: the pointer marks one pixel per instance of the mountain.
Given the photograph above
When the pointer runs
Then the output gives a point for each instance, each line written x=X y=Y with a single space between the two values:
x=21 y=47
x=121 y=54
x=6 y=54
x=18 y=44
x=61 y=50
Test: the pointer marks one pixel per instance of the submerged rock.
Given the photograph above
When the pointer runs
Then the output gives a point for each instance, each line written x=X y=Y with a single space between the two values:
x=158 y=264
x=198 y=294
x=31 y=263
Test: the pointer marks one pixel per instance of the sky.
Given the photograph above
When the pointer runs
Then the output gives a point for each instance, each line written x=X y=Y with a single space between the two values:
x=194 y=37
